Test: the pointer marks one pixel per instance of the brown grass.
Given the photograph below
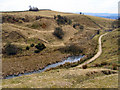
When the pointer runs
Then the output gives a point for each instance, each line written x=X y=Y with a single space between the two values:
x=28 y=61
x=110 y=50
x=66 y=78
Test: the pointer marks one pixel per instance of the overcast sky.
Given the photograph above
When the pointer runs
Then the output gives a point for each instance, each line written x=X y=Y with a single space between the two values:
x=92 y=6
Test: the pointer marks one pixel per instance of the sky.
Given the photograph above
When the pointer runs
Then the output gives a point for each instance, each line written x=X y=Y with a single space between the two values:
x=91 y=6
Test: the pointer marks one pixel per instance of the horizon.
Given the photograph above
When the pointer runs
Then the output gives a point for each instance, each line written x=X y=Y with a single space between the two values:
x=86 y=6
x=61 y=11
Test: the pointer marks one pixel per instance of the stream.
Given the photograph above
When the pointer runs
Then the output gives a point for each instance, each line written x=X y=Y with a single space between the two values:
x=70 y=59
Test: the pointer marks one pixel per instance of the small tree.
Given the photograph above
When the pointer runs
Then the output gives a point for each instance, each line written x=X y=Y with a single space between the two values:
x=98 y=31
x=40 y=46
x=36 y=51
x=58 y=32
x=30 y=8
x=84 y=66
x=80 y=12
x=32 y=45
x=33 y=8
x=27 y=48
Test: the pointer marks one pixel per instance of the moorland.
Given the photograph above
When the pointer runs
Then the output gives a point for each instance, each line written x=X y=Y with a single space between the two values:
x=32 y=40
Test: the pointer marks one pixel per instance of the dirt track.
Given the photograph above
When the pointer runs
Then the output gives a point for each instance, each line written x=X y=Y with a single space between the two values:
x=98 y=53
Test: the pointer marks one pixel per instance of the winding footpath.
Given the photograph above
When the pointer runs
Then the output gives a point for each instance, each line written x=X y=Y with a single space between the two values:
x=98 y=53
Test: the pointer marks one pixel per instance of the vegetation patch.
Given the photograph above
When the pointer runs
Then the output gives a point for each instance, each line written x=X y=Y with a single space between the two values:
x=39 y=47
x=58 y=32
x=29 y=62
x=72 y=49
x=10 y=49
x=13 y=36
x=33 y=8
x=32 y=45
x=27 y=48
x=36 y=51
x=84 y=66
x=13 y=19
x=78 y=26
x=62 y=20
x=38 y=25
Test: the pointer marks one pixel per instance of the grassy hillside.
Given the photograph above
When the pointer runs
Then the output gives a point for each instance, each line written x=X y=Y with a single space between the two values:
x=46 y=13
x=100 y=22
x=66 y=78
x=22 y=29
x=110 y=50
